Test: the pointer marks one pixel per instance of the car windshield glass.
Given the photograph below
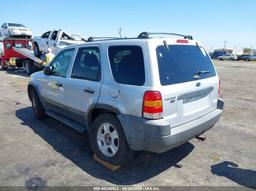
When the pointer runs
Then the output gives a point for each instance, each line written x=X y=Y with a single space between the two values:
x=15 y=25
x=19 y=45
x=180 y=63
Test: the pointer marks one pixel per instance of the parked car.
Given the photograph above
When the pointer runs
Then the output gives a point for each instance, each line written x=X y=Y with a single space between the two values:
x=218 y=53
x=251 y=58
x=15 y=30
x=129 y=95
x=243 y=57
x=55 y=40
x=228 y=57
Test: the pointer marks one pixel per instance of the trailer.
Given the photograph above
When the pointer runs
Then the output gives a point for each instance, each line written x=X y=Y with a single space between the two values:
x=17 y=53
x=32 y=63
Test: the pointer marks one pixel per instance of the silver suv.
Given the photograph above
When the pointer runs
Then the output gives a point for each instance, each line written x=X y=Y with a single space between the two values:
x=129 y=95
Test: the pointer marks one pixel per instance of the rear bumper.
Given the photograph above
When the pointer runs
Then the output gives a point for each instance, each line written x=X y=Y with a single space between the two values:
x=158 y=136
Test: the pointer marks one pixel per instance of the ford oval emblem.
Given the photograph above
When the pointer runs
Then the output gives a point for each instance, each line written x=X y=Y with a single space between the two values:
x=198 y=84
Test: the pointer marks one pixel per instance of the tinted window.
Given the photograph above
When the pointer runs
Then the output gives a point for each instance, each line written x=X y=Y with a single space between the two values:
x=54 y=35
x=127 y=64
x=61 y=63
x=180 y=63
x=87 y=64
x=4 y=26
x=46 y=35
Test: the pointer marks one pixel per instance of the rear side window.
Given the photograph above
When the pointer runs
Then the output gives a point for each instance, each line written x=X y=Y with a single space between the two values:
x=87 y=64
x=127 y=64
x=54 y=35
x=183 y=63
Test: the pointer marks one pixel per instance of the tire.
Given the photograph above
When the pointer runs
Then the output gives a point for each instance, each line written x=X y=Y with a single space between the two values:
x=3 y=67
x=106 y=131
x=37 y=106
x=36 y=50
x=28 y=67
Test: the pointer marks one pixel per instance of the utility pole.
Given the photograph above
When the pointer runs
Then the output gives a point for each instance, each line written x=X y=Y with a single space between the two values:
x=120 y=32
x=225 y=44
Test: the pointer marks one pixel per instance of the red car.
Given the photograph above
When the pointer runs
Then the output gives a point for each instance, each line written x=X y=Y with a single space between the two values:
x=10 y=57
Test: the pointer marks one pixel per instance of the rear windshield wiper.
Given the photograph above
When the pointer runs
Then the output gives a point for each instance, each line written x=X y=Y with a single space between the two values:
x=198 y=74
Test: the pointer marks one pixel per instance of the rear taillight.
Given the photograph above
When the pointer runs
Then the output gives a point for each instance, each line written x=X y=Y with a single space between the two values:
x=152 y=105
x=219 y=88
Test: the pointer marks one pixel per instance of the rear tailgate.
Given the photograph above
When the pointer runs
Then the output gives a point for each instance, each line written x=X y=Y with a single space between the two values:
x=188 y=101
x=188 y=81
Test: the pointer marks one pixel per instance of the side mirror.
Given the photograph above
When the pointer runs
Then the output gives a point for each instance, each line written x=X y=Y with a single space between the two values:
x=48 y=70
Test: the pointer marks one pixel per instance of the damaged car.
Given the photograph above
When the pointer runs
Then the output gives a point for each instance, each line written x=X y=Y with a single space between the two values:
x=55 y=40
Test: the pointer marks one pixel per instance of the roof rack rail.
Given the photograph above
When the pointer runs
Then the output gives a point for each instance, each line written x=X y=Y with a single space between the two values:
x=146 y=35
x=90 y=39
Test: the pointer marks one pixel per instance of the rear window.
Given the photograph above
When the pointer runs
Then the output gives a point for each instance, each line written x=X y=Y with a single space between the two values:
x=181 y=63
x=127 y=64
x=15 y=25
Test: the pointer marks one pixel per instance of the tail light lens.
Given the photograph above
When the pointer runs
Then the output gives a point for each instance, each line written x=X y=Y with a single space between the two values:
x=152 y=105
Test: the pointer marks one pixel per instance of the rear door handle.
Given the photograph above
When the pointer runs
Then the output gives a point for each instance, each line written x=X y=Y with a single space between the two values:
x=89 y=90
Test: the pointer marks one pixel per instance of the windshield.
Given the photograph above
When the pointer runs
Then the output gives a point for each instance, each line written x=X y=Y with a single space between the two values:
x=15 y=25
x=180 y=63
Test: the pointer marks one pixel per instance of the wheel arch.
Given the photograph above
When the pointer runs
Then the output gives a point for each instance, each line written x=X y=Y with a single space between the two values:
x=99 y=109
x=32 y=86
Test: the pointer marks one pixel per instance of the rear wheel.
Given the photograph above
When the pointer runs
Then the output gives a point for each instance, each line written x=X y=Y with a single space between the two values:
x=28 y=67
x=108 y=140
x=37 y=106
x=37 y=52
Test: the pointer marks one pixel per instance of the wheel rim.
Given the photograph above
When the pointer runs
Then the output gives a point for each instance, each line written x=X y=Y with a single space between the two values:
x=107 y=139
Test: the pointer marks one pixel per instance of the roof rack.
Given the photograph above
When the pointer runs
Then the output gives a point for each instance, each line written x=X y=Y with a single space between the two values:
x=146 y=35
x=90 y=39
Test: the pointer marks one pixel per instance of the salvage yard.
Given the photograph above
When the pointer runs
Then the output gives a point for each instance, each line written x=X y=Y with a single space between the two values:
x=47 y=153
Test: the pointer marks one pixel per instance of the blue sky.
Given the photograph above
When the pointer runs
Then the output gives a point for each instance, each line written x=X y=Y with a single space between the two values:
x=209 y=21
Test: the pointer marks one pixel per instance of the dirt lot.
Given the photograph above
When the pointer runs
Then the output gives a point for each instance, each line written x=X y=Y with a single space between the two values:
x=49 y=153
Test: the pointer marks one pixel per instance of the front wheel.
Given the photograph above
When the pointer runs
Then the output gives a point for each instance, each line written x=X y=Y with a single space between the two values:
x=108 y=140
x=37 y=106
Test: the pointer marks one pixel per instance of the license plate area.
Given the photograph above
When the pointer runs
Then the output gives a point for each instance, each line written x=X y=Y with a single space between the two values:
x=194 y=98
x=196 y=102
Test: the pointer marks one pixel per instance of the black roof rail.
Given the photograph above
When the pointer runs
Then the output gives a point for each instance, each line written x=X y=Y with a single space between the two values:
x=90 y=39
x=146 y=35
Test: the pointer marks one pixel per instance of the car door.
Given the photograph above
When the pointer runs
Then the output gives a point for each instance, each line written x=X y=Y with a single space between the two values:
x=43 y=43
x=54 y=86
x=83 y=86
x=52 y=42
